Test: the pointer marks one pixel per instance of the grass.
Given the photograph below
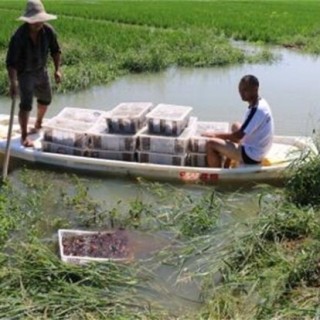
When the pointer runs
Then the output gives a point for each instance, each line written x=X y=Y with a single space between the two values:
x=263 y=267
x=106 y=39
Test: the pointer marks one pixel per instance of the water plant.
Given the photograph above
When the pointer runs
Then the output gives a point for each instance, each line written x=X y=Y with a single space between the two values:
x=263 y=266
x=303 y=182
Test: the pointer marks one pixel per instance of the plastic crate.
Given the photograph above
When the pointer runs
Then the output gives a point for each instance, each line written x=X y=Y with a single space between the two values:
x=66 y=235
x=197 y=160
x=167 y=144
x=66 y=132
x=88 y=152
x=158 y=158
x=80 y=114
x=128 y=117
x=197 y=142
x=168 y=119
x=102 y=139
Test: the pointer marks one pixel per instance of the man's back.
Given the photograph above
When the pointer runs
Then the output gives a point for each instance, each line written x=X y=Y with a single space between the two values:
x=258 y=128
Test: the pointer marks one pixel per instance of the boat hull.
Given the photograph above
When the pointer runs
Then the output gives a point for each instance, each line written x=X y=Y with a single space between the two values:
x=186 y=174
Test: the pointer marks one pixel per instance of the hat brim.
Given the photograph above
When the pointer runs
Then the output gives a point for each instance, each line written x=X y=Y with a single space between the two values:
x=41 y=17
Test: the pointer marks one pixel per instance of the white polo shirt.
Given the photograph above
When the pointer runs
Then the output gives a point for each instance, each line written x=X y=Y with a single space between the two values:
x=258 y=130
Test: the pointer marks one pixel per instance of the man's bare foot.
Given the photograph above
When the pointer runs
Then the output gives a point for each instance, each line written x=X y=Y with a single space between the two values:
x=34 y=130
x=27 y=142
x=37 y=127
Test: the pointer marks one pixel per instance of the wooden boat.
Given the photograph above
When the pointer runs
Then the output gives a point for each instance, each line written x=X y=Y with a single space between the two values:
x=284 y=151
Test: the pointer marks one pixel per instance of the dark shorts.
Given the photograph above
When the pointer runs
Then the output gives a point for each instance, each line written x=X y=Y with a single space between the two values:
x=34 y=84
x=246 y=159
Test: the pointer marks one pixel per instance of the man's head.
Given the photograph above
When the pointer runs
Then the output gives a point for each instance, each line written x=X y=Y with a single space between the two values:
x=35 y=13
x=248 y=88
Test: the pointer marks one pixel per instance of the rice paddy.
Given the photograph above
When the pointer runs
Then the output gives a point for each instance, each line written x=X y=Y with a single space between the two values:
x=102 y=40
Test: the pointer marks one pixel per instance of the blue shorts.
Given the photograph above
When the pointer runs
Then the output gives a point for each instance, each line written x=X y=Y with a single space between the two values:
x=34 y=84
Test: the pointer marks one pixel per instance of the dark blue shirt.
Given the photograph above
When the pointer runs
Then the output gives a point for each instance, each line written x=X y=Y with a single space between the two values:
x=26 y=56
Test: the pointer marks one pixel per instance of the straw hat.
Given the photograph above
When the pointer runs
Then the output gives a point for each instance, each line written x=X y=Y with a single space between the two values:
x=35 y=12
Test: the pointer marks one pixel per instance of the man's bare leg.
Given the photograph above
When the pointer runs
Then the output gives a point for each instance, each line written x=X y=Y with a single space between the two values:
x=41 y=111
x=234 y=127
x=214 y=158
x=216 y=148
x=23 y=121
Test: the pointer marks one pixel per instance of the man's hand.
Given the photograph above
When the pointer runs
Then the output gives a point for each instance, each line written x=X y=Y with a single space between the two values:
x=57 y=76
x=208 y=134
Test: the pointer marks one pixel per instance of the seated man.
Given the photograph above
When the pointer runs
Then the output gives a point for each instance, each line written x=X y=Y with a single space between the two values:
x=247 y=143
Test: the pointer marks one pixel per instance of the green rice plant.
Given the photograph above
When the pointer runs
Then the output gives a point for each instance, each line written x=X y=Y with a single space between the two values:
x=202 y=217
x=102 y=41
x=264 y=266
x=274 y=254
x=303 y=182
x=36 y=284
x=88 y=210
x=8 y=215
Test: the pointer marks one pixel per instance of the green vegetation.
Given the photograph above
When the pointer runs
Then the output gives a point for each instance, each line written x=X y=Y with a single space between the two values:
x=102 y=40
x=265 y=266
x=302 y=186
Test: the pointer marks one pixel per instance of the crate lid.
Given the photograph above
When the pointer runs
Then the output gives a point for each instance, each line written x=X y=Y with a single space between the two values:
x=101 y=128
x=64 y=124
x=130 y=110
x=203 y=126
x=80 y=114
x=185 y=134
x=169 y=112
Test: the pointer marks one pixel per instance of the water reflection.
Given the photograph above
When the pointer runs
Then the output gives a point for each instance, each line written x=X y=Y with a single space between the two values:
x=290 y=85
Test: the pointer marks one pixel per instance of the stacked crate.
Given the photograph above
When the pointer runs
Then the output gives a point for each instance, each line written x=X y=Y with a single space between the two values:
x=115 y=136
x=197 y=156
x=67 y=133
x=107 y=135
x=165 y=139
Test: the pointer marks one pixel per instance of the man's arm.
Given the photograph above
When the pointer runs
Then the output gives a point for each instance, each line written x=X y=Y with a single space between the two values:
x=13 y=81
x=11 y=64
x=55 y=52
x=56 y=57
x=232 y=136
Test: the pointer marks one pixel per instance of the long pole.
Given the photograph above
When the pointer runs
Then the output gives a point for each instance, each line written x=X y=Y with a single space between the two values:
x=7 y=152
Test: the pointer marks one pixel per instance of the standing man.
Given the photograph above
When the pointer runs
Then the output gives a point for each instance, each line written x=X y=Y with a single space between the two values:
x=247 y=143
x=27 y=65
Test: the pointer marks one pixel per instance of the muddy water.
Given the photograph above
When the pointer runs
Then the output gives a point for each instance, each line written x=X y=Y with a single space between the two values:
x=290 y=85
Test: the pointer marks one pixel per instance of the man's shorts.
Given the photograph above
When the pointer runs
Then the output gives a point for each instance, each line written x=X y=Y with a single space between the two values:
x=34 y=84
x=246 y=159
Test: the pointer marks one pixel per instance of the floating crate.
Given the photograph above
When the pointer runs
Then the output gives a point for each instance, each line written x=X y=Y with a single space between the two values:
x=158 y=158
x=70 y=133
x=197 y=160
x=168 y=119
x=128 y=117
x=88 y=152
x=197 y=142
x=167 y=144
x=84 y=245
x=80 y=114
x=102 y=139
